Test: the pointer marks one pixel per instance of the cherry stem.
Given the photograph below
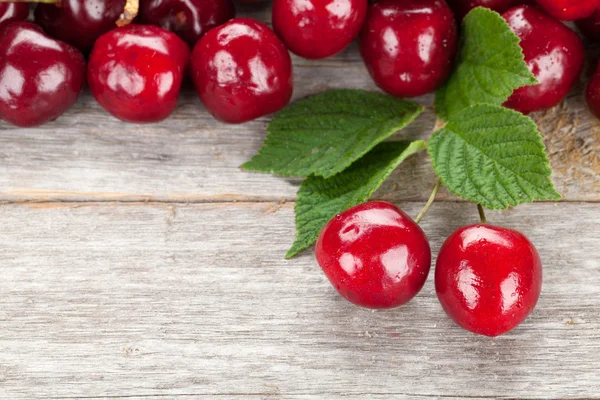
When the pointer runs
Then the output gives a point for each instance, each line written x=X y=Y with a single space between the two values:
x=481 y=214
x=129 y=13
x=429 y=202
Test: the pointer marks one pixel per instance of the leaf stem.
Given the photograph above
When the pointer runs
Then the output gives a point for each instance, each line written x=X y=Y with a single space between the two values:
x=482 y=217
x=429 y=202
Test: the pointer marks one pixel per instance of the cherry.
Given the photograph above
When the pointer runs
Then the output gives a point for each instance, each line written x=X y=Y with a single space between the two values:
x=375 y=255
x=79 y=22
x=190 y=19
x=462 y=7
x=553 y=53
x=590 y=26
x=488 y=279
x=316 y=28
x=408 y=45
x=135 y=72
x=40 y=77
x=13 y=12
x=241 y=71
x=593 y=94
x=569 y=10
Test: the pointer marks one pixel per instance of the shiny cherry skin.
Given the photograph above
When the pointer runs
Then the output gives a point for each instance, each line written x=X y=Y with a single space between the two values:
x=13 y=12
x=241 y=71
x=79 y=22
x=318 y=28
x=462 y=7
x=40 y=77
x=375 y=255
x=189 y=19
x=408 y=45
x=135 y=72
x=553 y=53
x=569 y=10
x=590 y=26
x=592 y=94
x=488 y=279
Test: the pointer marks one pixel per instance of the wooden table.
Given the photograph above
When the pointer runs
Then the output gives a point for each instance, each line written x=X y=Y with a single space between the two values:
x=140 y=262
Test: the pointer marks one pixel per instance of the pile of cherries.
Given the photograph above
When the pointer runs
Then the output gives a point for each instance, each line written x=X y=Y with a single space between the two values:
x=241 y=69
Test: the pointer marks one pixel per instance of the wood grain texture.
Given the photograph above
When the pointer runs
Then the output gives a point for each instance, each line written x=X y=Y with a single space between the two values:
x=88 y=155
x=177 y=301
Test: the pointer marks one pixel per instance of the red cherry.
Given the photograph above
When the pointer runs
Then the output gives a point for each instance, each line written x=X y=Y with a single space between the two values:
x=553 y=53
x=13 y=12
x=375 y=255
x=40 y=77
x=408 y=45
x=316 y=28
x=590 y=26
x=569 y=10
x=593 y=94
x=79 y=22
x=135 y=72
x=190 y=19
x=462 y=7
x=488 y=279
x=241 y=71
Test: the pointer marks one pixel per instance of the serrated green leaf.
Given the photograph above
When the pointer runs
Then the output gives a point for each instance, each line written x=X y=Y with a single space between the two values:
x=489 y=68
x=320 y=199
x=492 y=156
x=324 y=134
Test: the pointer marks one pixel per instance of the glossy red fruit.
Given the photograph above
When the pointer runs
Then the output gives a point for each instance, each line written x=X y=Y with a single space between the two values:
x=79 y=22
x=40 y=77
x=408 y=45
x=569 y=10
x=189 y=19
x=593 y=94
x=462 y=7
x=135 y=72
x=318 y=28
x=13 y=12
x=241 y=71
x=375 y=255
x=590 y=26
x=488 y=279
x=553 y=53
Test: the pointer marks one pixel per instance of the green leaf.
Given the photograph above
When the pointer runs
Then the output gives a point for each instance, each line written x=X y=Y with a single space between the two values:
x=492 y=156
x=320 y=199
x=324 y=134
x=489 y=68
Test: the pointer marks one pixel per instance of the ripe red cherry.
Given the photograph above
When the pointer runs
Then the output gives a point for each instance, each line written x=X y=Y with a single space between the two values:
x=40 y=77
x=569 y=10
x=316 y=28
x=553 y=53
x=375 y=255
x=241 y=71
x=79 y=22
x=13 y=12
x=408 y=45
x=488 y=279
x=590 y=26
x=462 y=7
x=593 y=94
x=135 y=72
x=190 y=19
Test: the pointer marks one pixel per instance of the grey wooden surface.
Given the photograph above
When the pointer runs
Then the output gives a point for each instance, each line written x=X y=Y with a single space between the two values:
x=139 y=262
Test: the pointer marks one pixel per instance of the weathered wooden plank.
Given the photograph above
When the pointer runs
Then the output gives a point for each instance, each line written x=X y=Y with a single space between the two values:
x=171 y=300
x=88 y=155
